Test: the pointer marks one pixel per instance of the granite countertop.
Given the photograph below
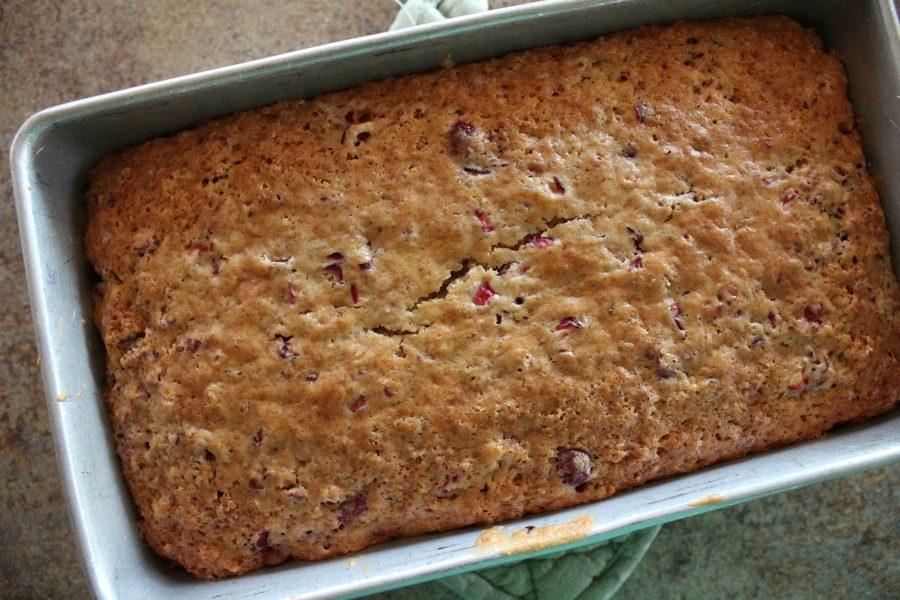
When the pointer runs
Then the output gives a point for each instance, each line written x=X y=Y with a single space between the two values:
x=838 y=539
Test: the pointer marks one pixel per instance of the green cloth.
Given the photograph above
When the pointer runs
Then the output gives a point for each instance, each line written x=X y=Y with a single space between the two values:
x=593 y=572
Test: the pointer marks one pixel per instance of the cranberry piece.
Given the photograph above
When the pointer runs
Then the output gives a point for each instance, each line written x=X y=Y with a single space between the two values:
x=350 y=509
x=336 y=256
x=262 y=539
x=789 y=197
x=637 y=237
x=771 y=317
x=483 y=294
x=280 y=259
x=292 y=293
x=640 y=112
x=557 y=187
x=472 y=170
x=255 y=484
x=486 y=225
x=272 y=556
x=676 y=313
x=366 y=265
x=358 y=404
x=335 y=272
x=312 y=376
x=354 y=293
x=799 y=386
x=295 y=494
x=388 y=392
x=258 y=436
x=570 y=323
x=459 y=135
x=636 y=263
x=574 y=465
x=216 y=265
x=191 y=345
x=285 y=350
x=542 y=241
x=814 y=313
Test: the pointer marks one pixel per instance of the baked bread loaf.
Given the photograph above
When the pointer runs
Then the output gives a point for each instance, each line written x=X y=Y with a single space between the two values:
x=492 y=290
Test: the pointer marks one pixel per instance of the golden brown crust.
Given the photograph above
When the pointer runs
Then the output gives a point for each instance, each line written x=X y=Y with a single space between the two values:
x=496 y=289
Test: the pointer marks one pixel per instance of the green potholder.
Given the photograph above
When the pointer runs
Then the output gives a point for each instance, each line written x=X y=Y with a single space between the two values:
x=593 y=572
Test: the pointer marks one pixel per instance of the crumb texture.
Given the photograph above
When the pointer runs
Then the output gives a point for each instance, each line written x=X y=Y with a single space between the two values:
x=492 y=290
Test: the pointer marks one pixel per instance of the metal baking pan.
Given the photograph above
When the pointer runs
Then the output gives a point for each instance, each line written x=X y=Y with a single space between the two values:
x=54 y=148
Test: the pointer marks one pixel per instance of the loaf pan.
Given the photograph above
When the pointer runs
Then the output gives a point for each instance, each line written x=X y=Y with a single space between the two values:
x=54 y=149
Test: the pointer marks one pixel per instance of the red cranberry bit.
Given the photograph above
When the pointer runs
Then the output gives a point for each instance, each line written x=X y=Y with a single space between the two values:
x=676 y=312
x=336 y=256
x=335 y=272
x=483 y=294
x=258 y=436
x=814 y=313
x=295 y=494
x=637 y=237
x=352 y=508
x=285 y=350
x=486 y=225
x=354 y=293
x=570 y=323
x=636 y=263
x=542 y=241
x=292 y=293
x=640 y=112
x=388 y=392
x=272 y=556
x=771 y=317
x=280 y=259
x=574 y=465
x=191 y=345
x=799 y=386
x=312 y=376
x=262 y=539
x=473 y=170
x=789 y=197
x=557 y=187
x=216 y=265
x=358 y=404
x=255 y=484
x=366 y=265
x=459 y=135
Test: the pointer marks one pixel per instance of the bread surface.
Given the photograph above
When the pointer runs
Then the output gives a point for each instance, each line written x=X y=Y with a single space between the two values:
x=496 y=289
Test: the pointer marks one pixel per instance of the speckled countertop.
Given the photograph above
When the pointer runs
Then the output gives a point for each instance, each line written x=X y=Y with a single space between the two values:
x=839 y=539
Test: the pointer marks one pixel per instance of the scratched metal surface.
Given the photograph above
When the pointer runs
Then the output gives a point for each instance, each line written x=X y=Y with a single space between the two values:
x=54 y=149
